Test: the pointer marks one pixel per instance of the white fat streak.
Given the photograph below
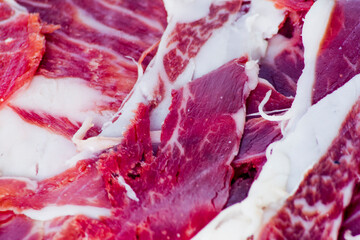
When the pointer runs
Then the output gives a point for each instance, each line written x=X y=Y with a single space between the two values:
x=276 y=46
x=37 y=4
x=315 y=131
x=158 y=114
x=349 y=236
x=121 y=60
x=155 y=136
x=347 y=194
x=188 y=10
x=252 y=72
x=16 y=6
x=9 y=40
x=25 y=149
x=243 y=37
x=315 y=25
x=234 y=40
x=64 y=97
x=92 y=144
x=129 y=191
x=144 y=19
x=91 y=22
x=51 y=212
x=289 y=159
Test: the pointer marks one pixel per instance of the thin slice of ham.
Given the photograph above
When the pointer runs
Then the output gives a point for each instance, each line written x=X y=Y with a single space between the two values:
x=341 y=45
x=22 y=46
x=181 y=59
x=98 y=41
x=315 y=210
x=144 y=191
x=350 y=225
x=199 y=119
x=258 y=135
x=284 y=59
x=88 y=69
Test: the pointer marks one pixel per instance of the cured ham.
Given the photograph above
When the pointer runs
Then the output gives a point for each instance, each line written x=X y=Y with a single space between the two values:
x=99 y=41
x=22 y=46
x=258 y=135
x=330 y=76
x=284 y=59
x=168 y=176
x=315 y=210
x=202 y=119
x=87 y=81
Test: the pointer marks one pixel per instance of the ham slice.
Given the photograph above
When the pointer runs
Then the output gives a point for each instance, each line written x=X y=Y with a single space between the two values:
x=22 y=46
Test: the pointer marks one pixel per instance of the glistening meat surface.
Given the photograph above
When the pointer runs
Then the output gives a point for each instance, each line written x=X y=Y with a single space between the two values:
x=22 y=46
x=87 y=154
x=199 y=118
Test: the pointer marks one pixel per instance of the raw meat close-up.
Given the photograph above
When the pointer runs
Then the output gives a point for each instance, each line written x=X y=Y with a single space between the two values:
x=179 y=119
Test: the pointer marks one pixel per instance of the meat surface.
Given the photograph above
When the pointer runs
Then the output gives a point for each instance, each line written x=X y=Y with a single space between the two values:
x=159 y=182
x=258 y=135
x=284 y=59
x=22 y=46
x=201 y=119
x=96 y=41
x=341 y=41
x=315 y=210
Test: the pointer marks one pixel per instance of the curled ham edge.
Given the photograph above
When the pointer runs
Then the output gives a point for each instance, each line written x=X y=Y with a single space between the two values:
x=308 y=133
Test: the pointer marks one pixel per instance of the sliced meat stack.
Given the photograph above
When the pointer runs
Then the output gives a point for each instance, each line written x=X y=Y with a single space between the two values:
x=204 y=119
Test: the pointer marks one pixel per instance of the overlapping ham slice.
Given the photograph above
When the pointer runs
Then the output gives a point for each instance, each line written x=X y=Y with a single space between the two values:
x=98 y=41
x=258 y=135
x=199 y=137
x=173 y=65
x=303 y=203
x=88 y=69
x=22 y=46
x=284 y=59
x=315 y=210
x=338 y=44
x=144 y=189
x=132 y=178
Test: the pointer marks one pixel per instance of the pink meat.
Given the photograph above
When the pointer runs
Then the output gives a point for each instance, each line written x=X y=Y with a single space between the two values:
x=22 y=46
x=295 y=5
x=340 y=44
x=199 y=138
x=258 y=135
x=277 y=103
x=81 y=185
x=96 y=40
x=58 y=125
x=284 y=60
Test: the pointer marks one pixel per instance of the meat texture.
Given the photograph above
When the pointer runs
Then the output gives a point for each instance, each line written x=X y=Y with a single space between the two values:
x=98 y=41
x=87 y=70
x=258 y=135
x=284 y=59
x=22 y=46
x=143 y=189
x=340 y=44
x=315 y=210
